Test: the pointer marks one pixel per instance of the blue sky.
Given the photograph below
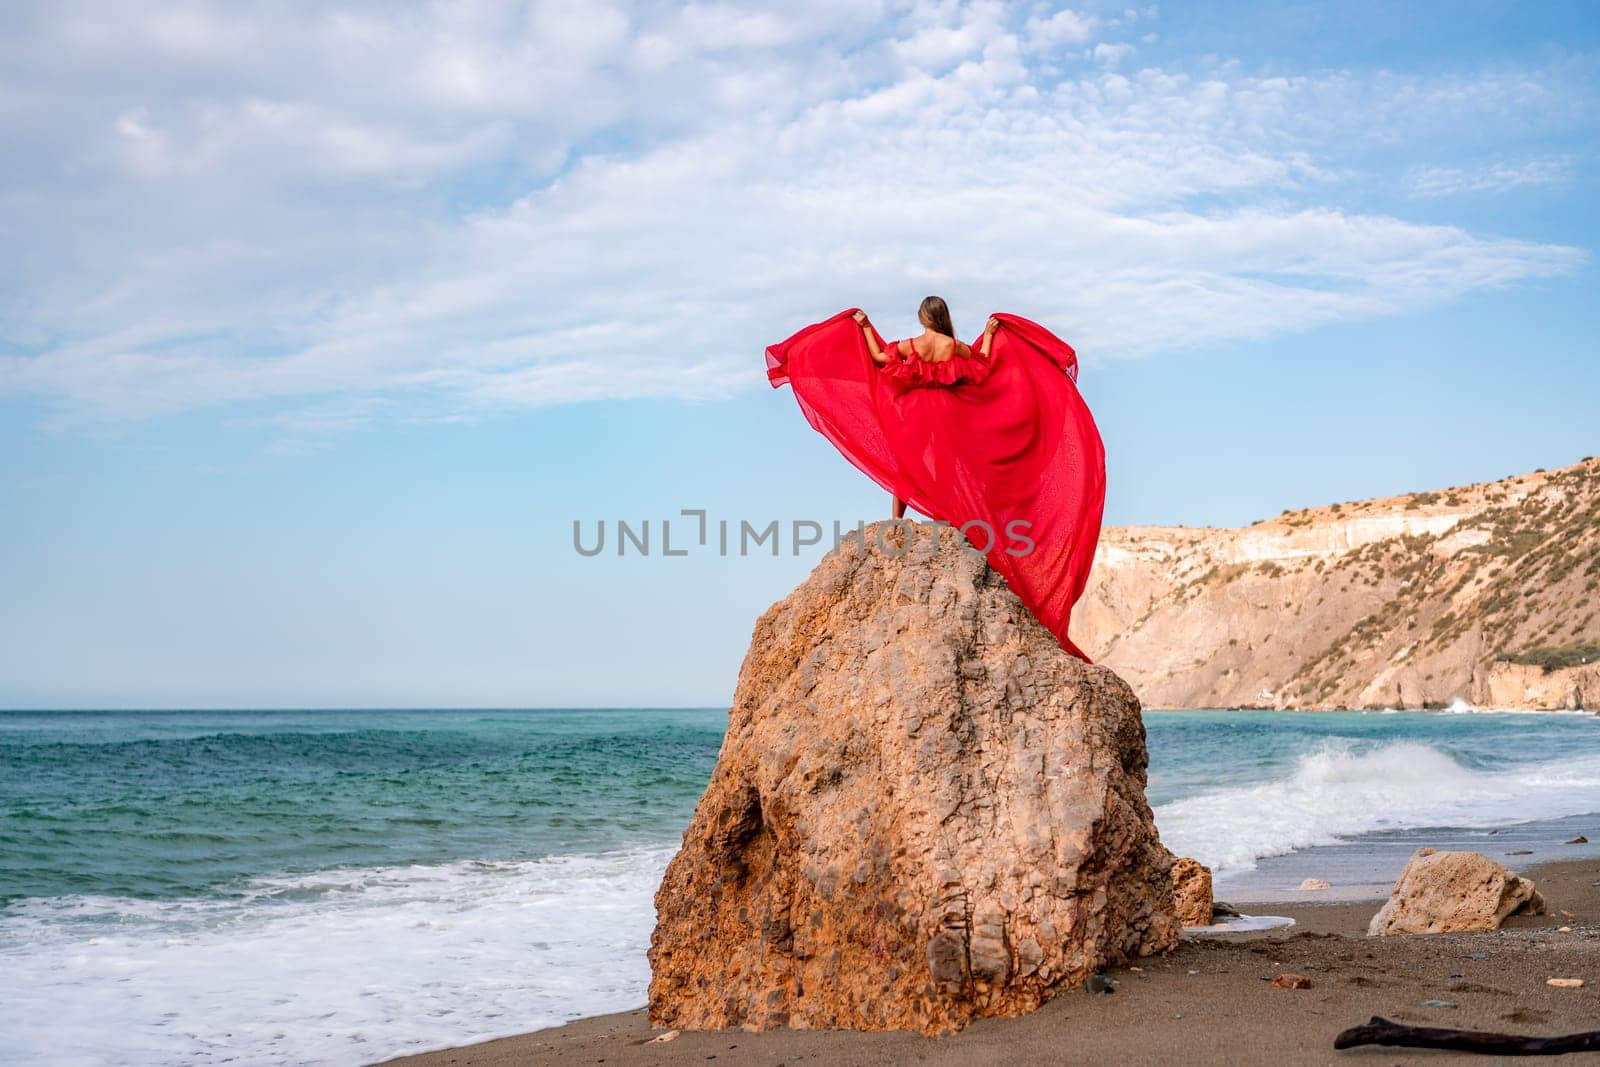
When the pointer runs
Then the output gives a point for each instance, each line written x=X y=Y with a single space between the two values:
x=322 y=325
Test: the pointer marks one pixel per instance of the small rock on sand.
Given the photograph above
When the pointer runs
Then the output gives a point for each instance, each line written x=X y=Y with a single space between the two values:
x=1314 y=883
x=1565 y=983
x=670 y=1035
x=1446 y=892
x=1293 y=981
x=1438 y=1003
x=1191 y=892
x=1579 y=840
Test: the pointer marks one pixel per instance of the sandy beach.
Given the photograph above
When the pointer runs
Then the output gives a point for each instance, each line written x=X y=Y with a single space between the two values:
x=1210 y=1001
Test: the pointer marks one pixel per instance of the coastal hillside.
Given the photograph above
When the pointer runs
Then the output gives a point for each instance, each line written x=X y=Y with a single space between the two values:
x=1487 y=594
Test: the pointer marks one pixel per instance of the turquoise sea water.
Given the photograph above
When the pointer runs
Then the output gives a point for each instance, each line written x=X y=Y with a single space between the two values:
x=340 y=886
x=173 y=804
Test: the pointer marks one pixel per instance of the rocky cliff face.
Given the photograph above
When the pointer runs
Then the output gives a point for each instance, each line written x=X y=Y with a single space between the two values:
x=1403 y=602
x=923 y=812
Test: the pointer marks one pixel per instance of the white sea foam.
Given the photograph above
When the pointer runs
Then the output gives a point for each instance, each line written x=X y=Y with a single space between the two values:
x=341 y=967
x=1340 y=791
x=1242 y=924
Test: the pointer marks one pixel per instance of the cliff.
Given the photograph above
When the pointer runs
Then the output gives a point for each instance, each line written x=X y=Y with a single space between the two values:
x=924 y=812
x=1484 y=593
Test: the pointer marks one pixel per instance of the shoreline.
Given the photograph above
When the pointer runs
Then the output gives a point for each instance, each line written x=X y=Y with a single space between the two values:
x=1211 y=997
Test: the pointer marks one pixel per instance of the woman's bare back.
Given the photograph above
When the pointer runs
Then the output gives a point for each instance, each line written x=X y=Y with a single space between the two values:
x=936 y=347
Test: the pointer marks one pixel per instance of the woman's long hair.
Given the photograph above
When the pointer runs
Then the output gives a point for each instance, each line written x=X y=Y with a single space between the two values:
x=935 y=314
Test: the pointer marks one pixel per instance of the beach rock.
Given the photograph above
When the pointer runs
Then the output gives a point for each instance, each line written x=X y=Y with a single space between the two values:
x=1564 y=983
x=1191 y=892
x=1446 y=892
x=1291 y=981
x=924 y=812
x=1579 y=840
x=1314 y=883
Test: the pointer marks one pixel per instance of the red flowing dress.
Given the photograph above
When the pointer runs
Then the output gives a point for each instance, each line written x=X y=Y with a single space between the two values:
x=969 y=441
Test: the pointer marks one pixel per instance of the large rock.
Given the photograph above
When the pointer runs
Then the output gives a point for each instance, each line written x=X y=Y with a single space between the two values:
x=924 y=811
x=1445 y=892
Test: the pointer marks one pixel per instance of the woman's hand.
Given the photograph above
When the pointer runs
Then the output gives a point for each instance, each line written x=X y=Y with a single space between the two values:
x=861 y=318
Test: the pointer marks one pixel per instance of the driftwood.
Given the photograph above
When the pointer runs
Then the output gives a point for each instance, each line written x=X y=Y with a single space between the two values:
x=1381 y=1031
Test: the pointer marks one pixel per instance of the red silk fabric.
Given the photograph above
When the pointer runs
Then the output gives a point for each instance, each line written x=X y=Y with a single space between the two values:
x=969 y=441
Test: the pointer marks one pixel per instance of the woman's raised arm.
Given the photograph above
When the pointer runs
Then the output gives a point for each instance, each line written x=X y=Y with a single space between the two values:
x=878 y=354
x=988 y=335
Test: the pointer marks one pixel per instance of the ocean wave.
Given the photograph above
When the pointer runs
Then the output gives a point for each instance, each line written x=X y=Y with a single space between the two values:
x=340 y=966
x=1343 y=789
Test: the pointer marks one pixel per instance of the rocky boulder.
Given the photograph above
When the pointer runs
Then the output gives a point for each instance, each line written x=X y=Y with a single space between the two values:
x=924 y=812
x=1446 y=892
x=1191 y=892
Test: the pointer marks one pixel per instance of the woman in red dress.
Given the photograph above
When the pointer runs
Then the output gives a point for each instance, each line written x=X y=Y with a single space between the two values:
x=995 y=440
x=939 y=346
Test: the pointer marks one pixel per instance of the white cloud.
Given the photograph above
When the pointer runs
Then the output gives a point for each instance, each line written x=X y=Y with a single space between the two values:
x=1065 y=27
x=377 y=210
x=1110 y=55
x=1495 y=176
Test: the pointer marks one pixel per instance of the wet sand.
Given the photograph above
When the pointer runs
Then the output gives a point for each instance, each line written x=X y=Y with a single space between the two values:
x=1210 y=1001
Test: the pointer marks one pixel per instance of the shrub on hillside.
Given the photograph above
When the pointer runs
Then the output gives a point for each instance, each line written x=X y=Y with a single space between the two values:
x=1573 y=654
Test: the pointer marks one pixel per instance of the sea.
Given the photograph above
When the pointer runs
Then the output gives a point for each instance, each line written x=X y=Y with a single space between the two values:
x=291 y=887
